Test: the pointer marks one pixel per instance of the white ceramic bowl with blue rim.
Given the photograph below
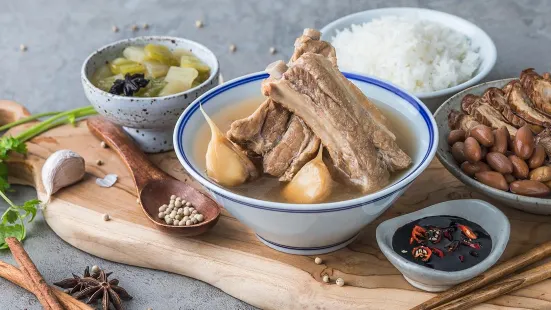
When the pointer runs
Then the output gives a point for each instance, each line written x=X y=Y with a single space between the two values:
x=149 y=121
x=477 y=36
x=307 y=229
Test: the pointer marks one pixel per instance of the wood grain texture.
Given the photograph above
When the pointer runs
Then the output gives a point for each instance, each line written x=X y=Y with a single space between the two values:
x=231 y=258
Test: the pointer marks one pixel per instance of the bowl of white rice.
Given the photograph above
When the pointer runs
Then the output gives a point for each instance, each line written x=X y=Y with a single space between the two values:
x=429 y=53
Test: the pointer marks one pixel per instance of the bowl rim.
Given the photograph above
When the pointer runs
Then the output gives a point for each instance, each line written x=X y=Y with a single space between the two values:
x=490 y=260
x=456 y=171
x=401 y=184
x=484 y=71
x=213 y=75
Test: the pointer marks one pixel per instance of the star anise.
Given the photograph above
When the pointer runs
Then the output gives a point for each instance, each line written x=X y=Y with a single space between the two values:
x=107 y=290
x=130 y=85
x=76 y=283
x=96 y=286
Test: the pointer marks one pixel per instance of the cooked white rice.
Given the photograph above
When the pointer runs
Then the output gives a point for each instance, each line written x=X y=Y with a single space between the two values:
x=420 y=56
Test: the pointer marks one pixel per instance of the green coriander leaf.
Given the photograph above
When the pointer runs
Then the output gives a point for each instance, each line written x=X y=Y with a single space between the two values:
x=30 y=208
x=16 y=231
x=4 y=185
x=10 y=216
x=8 y=144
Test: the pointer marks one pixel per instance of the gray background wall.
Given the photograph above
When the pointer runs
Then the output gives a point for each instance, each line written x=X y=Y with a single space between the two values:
x=61 y=33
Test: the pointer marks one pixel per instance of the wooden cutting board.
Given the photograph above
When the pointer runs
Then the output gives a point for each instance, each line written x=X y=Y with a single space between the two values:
x=230 y=257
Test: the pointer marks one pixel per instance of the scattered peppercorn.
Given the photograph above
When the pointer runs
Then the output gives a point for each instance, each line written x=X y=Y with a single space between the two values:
x=23 y=48
x=340 y=282
x=317 y=261
x=146 y=26
x=138 y=200
x=325 y=278
x=115 y=29
x=232 y=48
x=95 y=270
x=103 y=144
x=474 y=253
x=99 y=162
x=106 y=217
x=199 y=24
x=135 y=28
x=273 y=50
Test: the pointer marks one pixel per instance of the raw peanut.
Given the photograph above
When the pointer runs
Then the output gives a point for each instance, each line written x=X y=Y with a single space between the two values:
x=472 y=169
x=499 y=163
x=520 y=168
x=523 y=145
x=542 y=174
x=483 y=134
x=501 y=140
x=493 y=179
x=530 y=188
x=509 y=178
x=456 y=135
x=472 y=150
x=458 y=152
x=537 y=158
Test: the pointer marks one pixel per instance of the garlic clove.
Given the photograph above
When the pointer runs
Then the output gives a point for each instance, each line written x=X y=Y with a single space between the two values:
x=61 y=169
x=226 y=165
x=311 y=184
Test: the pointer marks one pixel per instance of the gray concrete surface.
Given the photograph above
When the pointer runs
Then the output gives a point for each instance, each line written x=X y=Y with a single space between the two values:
x=61 y=33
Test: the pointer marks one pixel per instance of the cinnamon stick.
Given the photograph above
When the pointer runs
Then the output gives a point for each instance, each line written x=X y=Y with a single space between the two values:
x=28 y=269
x=497 y=272
x=503 y=287
x=14 y=275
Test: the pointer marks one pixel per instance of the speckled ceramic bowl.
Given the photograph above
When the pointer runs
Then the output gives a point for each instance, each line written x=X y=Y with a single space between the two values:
x=484 y=214
x=524 y=203
x=149 y=121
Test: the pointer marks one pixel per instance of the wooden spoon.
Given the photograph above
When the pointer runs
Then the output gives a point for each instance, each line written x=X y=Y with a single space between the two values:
x=154 y=186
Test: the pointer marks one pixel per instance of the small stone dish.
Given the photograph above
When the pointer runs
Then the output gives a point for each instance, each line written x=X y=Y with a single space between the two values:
x=480 y=212
x=149 y=121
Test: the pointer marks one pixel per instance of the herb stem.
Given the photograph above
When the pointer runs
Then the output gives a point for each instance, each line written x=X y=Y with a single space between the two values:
x=26 y=120
x=7 y=199
x=54 y=122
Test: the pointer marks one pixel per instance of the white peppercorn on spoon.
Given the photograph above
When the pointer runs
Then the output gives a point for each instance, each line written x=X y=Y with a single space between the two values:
x=154 y=186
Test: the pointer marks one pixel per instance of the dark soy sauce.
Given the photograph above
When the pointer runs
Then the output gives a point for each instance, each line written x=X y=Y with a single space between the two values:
x=461 y=258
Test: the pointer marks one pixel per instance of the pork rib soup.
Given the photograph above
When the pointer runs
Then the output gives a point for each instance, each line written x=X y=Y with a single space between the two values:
x=268 y=187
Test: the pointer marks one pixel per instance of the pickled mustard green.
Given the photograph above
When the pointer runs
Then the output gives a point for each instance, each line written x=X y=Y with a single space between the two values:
x=168 y=71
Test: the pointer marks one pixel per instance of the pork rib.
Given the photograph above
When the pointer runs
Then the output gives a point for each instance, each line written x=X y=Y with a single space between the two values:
x=362 y=151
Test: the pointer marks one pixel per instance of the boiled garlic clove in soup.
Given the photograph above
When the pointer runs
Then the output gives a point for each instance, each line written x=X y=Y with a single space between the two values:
x=311 y=184
x=225 y=164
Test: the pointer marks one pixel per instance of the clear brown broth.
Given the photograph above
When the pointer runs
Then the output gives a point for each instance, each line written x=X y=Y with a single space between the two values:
x=269 y=188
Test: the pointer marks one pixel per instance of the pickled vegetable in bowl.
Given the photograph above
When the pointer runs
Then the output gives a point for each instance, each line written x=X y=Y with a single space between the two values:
x=151 y=71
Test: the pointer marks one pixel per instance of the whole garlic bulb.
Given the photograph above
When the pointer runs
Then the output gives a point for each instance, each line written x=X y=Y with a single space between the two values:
x=61 y=169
